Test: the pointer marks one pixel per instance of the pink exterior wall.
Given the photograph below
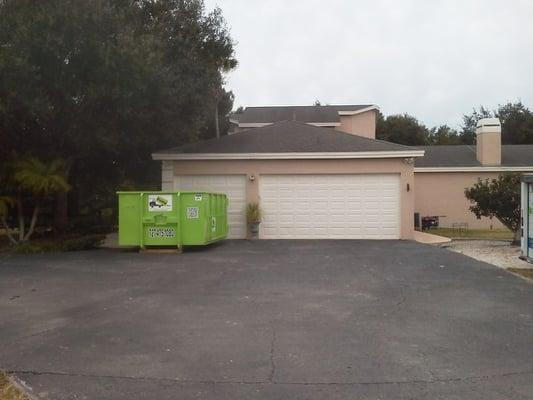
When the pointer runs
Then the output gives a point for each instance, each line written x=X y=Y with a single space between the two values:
x=442 y=193
x=363 y=124
x=338 y=166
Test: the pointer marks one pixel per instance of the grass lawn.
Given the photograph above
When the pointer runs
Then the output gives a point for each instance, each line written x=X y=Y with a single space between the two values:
x=9 y=391
x=499 y=234
x=525 y=272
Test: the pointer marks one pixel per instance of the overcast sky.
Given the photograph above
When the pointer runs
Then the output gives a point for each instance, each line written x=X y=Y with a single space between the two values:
x=433 y=59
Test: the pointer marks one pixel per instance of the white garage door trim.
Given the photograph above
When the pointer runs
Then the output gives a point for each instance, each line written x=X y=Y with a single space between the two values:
x=355 y=206
x=234 y=186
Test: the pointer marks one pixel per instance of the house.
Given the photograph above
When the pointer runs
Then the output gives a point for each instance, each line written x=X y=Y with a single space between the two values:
x=319 y=172
x=356 y=119
x=443 y=174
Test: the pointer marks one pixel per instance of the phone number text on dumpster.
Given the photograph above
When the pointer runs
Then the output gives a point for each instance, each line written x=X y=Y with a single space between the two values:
x=161 y=232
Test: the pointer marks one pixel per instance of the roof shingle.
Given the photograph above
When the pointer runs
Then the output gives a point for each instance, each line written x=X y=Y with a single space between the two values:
x=288 y=137
x=318 y=114
x=465 y=156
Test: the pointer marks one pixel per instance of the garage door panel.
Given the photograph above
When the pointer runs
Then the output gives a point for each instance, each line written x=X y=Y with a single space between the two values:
x=330 y=206
x=234 y=186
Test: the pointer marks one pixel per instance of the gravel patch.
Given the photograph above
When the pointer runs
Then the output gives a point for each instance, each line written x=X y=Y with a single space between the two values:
x=496 y=252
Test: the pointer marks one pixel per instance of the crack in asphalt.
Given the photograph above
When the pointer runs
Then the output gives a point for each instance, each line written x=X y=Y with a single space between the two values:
x=259 y=382
x=425 y=360
x=272 y=350
x=401 y=302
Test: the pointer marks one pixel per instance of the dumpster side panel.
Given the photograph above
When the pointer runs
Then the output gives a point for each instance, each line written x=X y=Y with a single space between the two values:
x=129 y=219
x=194 y=218
x=160 y=216
x=219 y=222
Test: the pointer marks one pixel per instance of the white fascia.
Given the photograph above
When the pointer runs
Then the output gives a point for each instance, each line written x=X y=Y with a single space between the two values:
x=254 y=124
x=362 y=110
x=474 y=169
x=261 y=124
x=324 y=124
x=288 y=156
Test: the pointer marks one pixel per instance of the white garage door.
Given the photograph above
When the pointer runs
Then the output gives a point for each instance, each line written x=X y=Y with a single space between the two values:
x=234 y=186
x=330 y=206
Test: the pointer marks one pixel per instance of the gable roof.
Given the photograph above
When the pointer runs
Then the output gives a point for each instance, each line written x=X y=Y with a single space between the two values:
x=451 y=156
x=290 y=137
x=316 y=114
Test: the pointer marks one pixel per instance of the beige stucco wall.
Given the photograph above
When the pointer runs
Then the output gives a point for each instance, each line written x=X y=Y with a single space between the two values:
x=363 y=124
x=442 y=193
x=489 y=148
x=267 y=167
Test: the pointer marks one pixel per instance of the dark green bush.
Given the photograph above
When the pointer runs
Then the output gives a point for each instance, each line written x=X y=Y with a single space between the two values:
x=68 y=243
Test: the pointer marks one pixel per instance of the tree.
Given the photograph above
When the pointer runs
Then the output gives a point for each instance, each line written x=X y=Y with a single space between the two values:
x=104 y=83
x=498 y=198
x=517 y=123
x=468 y=131
x=444 y=135
x=516 y=120
x=33 y=179
x=403 y=129
x=221 y=113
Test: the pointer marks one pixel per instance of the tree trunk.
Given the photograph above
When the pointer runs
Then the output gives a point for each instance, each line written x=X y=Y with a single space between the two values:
x=61 y=212
x=216 y=121
x=8 y=231
x=32 y=223
x=21 y=219
x=61 y=204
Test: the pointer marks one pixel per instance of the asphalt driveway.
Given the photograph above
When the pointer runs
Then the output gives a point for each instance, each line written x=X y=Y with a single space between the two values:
x=267 y=320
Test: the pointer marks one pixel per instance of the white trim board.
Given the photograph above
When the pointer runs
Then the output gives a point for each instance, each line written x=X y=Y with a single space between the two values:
x=288 y=156
x=474 y=169
x=262 y=124
x=362 y=110
x=324 y=124
x=254 y=124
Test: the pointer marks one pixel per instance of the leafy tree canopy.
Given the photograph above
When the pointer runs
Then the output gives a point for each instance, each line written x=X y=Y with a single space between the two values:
x=499 y=198
x=101 y=84
x=402 y=129
x=516 y=120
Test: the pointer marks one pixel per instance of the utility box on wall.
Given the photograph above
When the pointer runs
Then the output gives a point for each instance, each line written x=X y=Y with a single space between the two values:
x=527 y=218
x=172 y=219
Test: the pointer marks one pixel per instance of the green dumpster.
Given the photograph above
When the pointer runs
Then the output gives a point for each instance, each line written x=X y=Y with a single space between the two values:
x=171 y=218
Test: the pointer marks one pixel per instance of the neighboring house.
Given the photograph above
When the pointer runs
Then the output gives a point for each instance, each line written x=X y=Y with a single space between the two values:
x=444 y=173
x=319 y=172
x=357 y=119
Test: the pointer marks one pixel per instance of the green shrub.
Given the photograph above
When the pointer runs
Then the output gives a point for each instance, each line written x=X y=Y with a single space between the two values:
x=68 y=243
x=253 y=212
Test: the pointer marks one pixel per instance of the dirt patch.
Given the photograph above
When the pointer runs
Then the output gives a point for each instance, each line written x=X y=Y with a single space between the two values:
x=10 y=391
x=526 y=273
x=496 y=252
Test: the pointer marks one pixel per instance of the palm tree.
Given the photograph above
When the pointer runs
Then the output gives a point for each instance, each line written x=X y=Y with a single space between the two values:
x=38 y=179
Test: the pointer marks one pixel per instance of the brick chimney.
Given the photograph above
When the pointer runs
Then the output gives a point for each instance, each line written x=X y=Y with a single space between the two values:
x=489 y=141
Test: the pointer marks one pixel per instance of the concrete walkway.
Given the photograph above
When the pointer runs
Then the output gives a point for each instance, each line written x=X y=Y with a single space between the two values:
x=428 y=238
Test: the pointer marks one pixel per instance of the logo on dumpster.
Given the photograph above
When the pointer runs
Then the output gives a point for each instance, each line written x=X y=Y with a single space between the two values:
x=159 y=202
x=161 y=233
